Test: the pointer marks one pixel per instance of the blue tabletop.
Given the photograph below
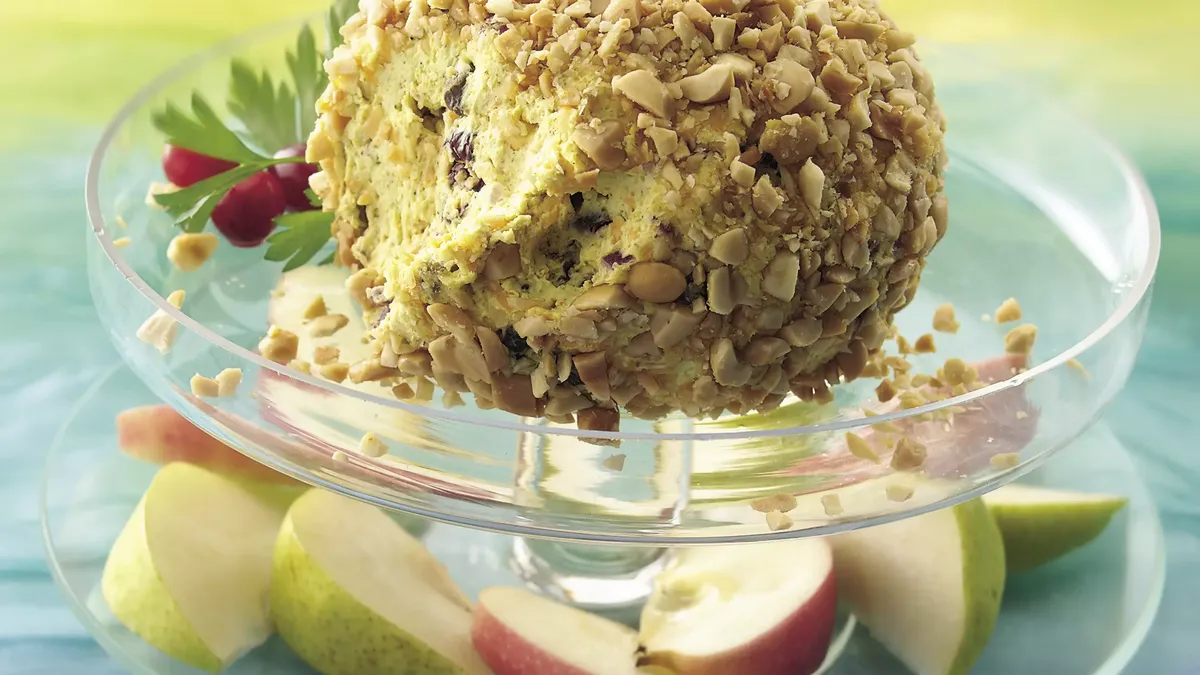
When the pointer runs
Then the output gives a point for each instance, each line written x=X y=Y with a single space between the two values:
x=51 y=347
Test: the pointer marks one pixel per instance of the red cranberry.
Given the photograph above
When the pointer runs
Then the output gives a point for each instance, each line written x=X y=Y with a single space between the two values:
x=246 y=214
x=294 y=177
x=184 y=167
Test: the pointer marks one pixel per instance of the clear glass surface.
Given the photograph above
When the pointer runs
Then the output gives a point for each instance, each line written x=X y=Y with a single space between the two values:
x=1082 y=615
x=1042 y=209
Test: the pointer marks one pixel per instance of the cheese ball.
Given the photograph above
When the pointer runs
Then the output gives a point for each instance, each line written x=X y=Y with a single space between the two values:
x=571 y=208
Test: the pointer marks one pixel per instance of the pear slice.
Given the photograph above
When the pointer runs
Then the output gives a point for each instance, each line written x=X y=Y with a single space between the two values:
x=1040 y=524
x=928 y=587
x=354 y=594
x=190 y=571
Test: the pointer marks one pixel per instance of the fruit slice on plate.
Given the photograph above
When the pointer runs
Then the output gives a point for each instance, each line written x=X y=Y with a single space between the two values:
x=1040 y=525
x=158 y=434
x=520 y=633
x=767 y=609
x=927 y=587
x=191 y=570
x=354 y=594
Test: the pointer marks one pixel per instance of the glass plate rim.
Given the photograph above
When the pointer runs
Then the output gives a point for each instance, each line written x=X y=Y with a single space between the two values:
x=1118 y=660
x=1145 y=215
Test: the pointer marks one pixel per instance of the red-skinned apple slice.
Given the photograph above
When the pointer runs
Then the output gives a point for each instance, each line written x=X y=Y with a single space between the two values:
x=520 y=633
x=158 y=434
x=765 y=609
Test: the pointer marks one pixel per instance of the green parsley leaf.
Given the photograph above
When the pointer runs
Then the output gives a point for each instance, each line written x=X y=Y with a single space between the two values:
x=313 y=198
x=300 y=237
x=202 y=132
x=266 y=111
x=270 y=115
x=309 y=76
x=192 y=206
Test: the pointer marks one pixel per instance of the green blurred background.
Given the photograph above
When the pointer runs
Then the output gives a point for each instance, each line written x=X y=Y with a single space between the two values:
x=1133 y=68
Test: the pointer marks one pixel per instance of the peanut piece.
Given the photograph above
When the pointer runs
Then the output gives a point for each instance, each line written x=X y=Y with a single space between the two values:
x=324 y=326
x=204 y=387
x=655 y=282
x=593 y=370
x=731 y=247
x=711 y=86
x=189 y=251
x=602 y=145
x=604 y=296
x=779 y=279
x=646 y=90
x=279 y=345
x=1008 y=311
x=794 y=84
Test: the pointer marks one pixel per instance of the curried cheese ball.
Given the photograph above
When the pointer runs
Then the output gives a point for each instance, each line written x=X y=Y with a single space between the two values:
x=571 y=207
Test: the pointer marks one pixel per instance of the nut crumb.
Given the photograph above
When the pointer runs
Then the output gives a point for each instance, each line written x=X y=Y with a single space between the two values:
x=335 y=372
x=371 y=446
x=324 y=326
x=943 y=319
x=614 y=462
x=1021 y=414
x=1008 y=311
x=908 y=455
x=159 y=331
x=189 y=251
x=1074 y=364
x=860 y=448
x=1006 y=460
x=122 y=242
x=832 y=505
x=899 y=493
x=205 y=387
x=228 y=381
x=325 y=354
x=777 y=521
x=1020 y=339
x=339 y=456
x=315 y=309
x=985 y=317
x=886 y=391
x=924 y=344
x=279 y=345
x=781 y=502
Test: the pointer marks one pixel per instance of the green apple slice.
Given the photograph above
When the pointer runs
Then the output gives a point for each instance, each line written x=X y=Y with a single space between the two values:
x=928 y=587
x=190 y=571
x=354 y=594
x=1040 y=524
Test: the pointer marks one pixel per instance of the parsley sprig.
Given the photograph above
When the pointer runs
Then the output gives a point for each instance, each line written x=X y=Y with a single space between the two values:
x=267 y=115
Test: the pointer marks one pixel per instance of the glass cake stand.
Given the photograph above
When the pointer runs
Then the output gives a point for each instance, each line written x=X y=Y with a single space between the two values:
x=1086 y=614
x=1042 y=209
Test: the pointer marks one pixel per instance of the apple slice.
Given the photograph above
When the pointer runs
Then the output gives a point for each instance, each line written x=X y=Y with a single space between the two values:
x=927 y=587
x=1039 y=524
x=158 y=434
x=520 y=633
x=767 y=609
x=354 y=594
x=190 y=571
